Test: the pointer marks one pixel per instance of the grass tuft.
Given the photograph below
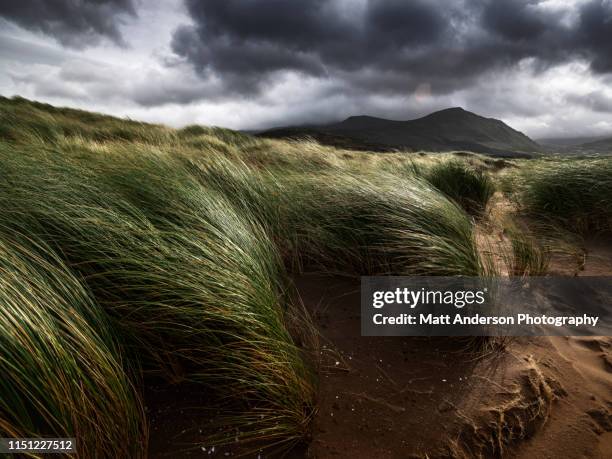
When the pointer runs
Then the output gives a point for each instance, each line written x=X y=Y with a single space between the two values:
x=470 y=188
x=575 y=193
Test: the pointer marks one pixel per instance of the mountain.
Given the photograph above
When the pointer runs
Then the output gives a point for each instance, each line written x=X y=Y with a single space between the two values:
x=446 y=130
x=598 y=146
x=566 y=141
x=578 y=145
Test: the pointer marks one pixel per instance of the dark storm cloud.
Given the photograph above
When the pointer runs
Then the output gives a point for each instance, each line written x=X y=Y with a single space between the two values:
x=387 y=46
x=545 y=65
x=316 y=37
x=74 y=23
x=595 y=34
x=533 y=32
x=515 y=20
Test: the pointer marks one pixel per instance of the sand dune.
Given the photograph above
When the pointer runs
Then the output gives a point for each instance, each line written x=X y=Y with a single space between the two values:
x=393 y=397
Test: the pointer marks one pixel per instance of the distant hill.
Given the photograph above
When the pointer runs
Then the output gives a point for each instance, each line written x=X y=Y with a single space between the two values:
x=445 y=130
x=578 y=145
x=598 y=146
x=566 y=141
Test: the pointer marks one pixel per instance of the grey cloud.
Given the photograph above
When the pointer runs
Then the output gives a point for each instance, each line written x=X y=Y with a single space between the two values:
x=73 y=23
x=516 y=20
x=595 y=34
x=91 y=81
x=257 y=63
x=18 y=50
x=387 y=46
x=250 y=57
x=312 y=37
x=595 y=100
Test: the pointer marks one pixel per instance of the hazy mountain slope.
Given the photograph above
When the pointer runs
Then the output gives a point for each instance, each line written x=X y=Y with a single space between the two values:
x=450 y=129
x=598 y=146
x=567 y=141
x=578 y=145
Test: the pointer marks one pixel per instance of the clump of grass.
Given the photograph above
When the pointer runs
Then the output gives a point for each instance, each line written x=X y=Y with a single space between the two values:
x=63 y=372
x=354 y=223
x=196 y=288
x=470 y=188
x=527 y=257
x=575 y=193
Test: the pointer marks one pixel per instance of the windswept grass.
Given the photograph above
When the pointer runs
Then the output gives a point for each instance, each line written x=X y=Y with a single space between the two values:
x=575 y=193
x=170 y=250
x=63 y=372
x=338 y=220
x=470 y=188
x=29 y=122
x=195 y=287
x=527 y=257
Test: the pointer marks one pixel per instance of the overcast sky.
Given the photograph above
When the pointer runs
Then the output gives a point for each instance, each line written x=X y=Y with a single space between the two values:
x=542 y=66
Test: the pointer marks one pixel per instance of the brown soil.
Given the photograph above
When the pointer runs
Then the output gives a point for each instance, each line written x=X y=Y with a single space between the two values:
x=393 y=397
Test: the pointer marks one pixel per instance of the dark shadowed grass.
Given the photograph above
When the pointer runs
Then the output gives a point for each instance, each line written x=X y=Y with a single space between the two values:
x=63 y=373
x=470 y=188
x=575 y=193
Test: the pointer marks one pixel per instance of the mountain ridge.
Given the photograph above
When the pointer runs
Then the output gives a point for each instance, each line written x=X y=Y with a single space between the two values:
x=601 y=144
x=445 y=130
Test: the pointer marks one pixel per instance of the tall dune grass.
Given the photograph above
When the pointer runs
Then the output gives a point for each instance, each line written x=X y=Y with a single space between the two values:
x=527 y=255
x=576 y=193
x=31 y=122
x=62 y=370
x=470 y=188
x=182 y=242
x=336 y=220
x=195 y=288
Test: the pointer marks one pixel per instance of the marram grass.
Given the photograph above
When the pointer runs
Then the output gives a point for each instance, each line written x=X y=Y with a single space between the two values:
x=171 y=250
x=63 y=373
x=341 y=221
x=195 y=288
x=575 y=193
x=470 y=188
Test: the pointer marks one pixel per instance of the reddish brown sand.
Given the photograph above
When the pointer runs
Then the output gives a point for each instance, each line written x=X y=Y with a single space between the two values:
x=378 y=393
x=393 y=397
x=585 y=365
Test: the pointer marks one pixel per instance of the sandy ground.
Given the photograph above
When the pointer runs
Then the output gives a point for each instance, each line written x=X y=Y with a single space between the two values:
x=393 y=397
